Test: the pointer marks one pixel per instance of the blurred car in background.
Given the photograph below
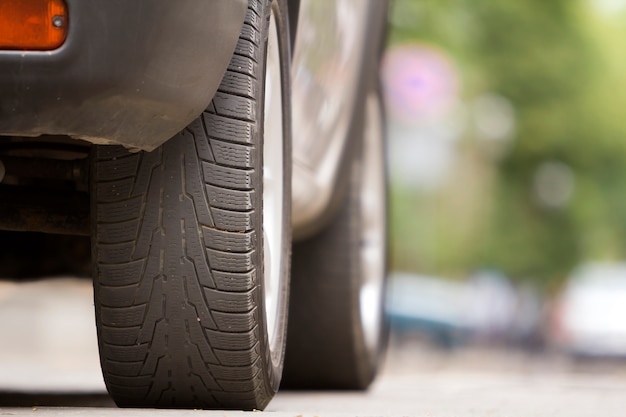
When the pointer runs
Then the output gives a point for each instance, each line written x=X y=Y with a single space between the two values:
x=429 y=306
x=485 y=309
x=589 y=313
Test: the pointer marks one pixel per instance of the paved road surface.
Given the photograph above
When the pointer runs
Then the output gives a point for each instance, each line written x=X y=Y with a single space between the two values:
x=49 y=367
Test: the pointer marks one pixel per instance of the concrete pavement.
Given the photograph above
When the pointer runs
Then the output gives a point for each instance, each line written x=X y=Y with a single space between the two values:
x=48 y=357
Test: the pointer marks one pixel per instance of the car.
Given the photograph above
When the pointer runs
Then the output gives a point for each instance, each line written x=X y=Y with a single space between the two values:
x=587 y=314
x=185 y=142
x=484 y=308
x=421 y=305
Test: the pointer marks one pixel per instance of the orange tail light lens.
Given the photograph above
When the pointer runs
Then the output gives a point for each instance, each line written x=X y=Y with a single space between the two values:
x=32 y=25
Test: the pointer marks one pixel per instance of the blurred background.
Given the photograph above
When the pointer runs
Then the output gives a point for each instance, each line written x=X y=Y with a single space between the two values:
x=507 y=146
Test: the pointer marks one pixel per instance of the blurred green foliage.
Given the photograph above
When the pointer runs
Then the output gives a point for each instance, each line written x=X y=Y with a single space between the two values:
x=563 y=67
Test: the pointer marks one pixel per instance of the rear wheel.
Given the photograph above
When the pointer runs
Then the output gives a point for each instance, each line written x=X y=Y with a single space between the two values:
x=191 y=242
x=337 y=332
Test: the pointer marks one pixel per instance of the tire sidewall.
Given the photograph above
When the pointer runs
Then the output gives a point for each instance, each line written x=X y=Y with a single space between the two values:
x=275 y=349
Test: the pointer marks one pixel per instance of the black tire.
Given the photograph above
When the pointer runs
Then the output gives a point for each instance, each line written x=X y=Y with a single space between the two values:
x=178 y=247
x=329 y=346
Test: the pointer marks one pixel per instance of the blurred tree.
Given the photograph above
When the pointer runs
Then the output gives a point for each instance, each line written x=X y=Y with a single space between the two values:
x=560 y=65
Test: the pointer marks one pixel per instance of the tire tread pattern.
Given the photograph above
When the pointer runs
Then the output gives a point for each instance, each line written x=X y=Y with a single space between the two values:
x=165 y=311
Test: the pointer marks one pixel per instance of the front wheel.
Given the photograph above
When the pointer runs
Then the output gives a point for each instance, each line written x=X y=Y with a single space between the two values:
x=191 y=242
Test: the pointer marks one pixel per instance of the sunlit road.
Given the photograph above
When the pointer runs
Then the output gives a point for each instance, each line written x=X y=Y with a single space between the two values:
x=49 y=367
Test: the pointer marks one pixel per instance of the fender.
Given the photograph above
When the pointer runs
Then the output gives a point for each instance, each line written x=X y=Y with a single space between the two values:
x=130 y=72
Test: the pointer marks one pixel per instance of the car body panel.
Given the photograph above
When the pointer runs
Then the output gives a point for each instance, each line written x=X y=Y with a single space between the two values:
x=337 y=45
x=130 y=72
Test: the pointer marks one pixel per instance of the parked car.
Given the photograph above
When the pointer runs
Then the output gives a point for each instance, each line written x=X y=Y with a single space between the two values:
x=163 y=131
x=588 y=317
x=430 y=306
x=484 y=309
